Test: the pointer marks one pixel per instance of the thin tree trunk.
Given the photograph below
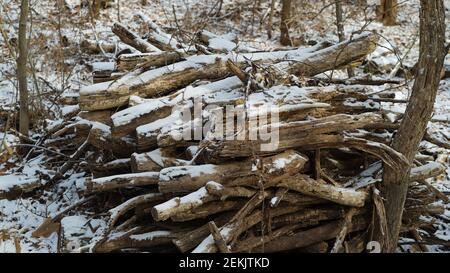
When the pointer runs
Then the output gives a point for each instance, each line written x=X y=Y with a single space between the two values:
x=417 y=115
x=340 y=30
x=388 y=12
x=285 y=22
x=270 y=22
x=22 y=68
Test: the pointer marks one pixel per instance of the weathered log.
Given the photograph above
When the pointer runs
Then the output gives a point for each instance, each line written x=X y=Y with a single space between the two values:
x=343 y=233
x=102 y=116
x=160 y=38
x=240 y=223
x=12 y=186
x=182 y=204
x=218 y=239
x=155 y=161
x=143 y=240
x=132 y=39
x=431 y=169
x=237 y=148
x=191 y=239
x=335 y=56
x=120 y=181
x=166 y=79
x=306 y=185
x=127 y=62
x=121 y=165
x=207 y=210
x=188 y=178
x=127 y=120
x=309 y=237
x=95 y=48
x=223 y=43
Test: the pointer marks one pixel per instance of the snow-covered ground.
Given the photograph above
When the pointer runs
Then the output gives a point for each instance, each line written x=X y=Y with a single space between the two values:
x=63 y=70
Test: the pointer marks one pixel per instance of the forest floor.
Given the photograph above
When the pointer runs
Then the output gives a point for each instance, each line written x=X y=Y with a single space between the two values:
x=60 y=68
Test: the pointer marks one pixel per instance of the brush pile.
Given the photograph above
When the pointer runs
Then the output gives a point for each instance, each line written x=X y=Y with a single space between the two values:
x=302 y=178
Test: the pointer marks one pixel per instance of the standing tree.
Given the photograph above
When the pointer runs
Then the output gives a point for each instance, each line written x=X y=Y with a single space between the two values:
x=417 y=115
x=22 y=68
x=387 y=12
x=340 y=30
x=285 y=22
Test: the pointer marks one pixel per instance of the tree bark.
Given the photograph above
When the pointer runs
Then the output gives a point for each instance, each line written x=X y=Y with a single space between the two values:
x=340 y=30
x=285 y=22
x=417 y=115
x=388 y=12
x=22 y=68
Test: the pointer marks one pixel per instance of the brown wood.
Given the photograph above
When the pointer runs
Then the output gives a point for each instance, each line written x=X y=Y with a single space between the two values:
x=419 y=110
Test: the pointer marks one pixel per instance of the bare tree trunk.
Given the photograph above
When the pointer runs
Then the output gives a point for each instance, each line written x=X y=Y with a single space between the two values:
x=22 y=68
x=387 y=12
x=270 y=22
x=340 y=30
x=285 y=22
x=417 y=115
x=118 y=11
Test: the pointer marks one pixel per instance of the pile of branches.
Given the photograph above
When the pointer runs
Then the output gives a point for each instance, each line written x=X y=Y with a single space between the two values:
x=314 y=191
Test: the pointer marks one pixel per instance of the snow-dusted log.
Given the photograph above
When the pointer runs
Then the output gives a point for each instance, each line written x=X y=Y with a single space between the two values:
x=169 y=78
x=12 y=186
x=102 y=116
x=142 y=240
x=236 y=148
x=274 y=168
x=121 y=165
x=132 y=39
x=99 y=136
x=121 y=181
x=127 y=62
x=356 y=48
x=306 y=185
x=150 y=110
x=158 y=37
x=431 y=169
x=155 y=160
x=223 y=43
x=177 y=205
x=208 y=209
